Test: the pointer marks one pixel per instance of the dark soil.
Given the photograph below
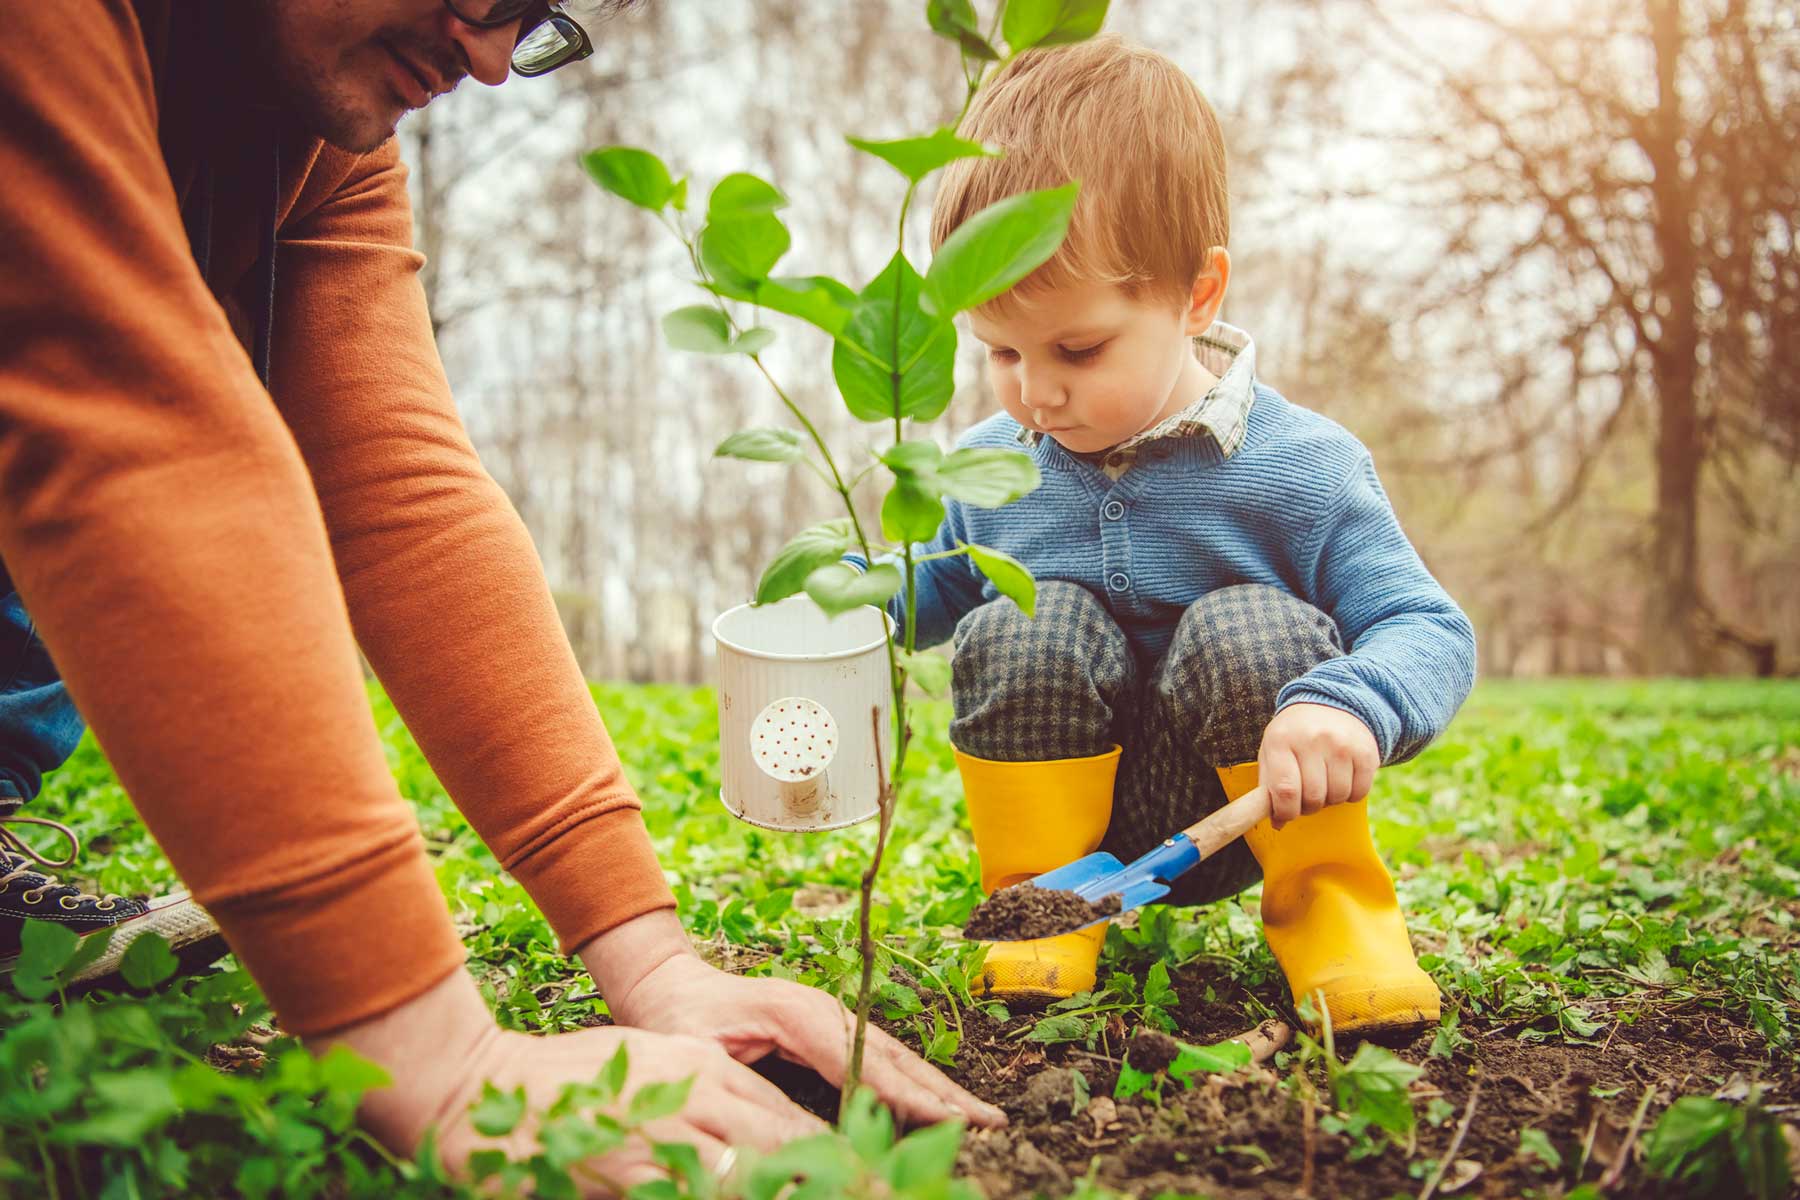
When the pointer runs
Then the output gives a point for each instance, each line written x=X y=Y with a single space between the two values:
x=1248 y=1135
x=1029 y=911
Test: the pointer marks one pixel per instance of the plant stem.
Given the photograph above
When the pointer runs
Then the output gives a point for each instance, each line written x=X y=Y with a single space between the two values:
x=866 y=943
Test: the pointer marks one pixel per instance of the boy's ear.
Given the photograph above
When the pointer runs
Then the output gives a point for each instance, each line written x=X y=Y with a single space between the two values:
x=1208 y=293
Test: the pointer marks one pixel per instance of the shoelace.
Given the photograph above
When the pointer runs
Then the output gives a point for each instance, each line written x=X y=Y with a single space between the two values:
x=17 y=855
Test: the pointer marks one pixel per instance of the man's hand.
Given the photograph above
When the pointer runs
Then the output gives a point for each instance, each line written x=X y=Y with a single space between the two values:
x=652 y=979
x=1313 y=755
x=441 y=1047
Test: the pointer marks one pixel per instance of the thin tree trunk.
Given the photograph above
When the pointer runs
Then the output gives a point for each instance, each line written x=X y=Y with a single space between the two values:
x=1671 y=627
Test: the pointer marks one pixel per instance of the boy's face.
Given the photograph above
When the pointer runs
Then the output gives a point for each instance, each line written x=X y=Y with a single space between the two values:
x=1091 y=366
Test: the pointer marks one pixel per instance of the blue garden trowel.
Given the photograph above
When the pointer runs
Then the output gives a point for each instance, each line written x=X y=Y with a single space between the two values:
x=1148 y=877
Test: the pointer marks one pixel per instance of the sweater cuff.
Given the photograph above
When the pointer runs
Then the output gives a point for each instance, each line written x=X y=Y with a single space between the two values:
x=1365 y=706
x=600 y=874
x=351 y=945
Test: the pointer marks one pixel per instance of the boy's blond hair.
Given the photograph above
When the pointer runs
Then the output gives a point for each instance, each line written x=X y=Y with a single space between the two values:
x=1137 y=133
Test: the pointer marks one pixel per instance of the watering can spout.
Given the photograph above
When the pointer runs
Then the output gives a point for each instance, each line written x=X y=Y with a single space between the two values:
x=793 y=741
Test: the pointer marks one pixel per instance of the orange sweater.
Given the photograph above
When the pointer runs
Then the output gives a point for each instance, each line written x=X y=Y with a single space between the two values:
x=197 y=557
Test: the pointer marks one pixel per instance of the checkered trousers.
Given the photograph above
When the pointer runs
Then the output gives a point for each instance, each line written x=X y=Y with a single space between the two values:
x=1066 y=685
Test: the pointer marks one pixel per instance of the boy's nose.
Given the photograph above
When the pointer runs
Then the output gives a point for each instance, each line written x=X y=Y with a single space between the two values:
x=1041 y=393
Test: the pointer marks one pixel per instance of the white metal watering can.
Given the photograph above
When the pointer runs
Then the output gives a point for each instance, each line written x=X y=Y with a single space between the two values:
x=801 y=694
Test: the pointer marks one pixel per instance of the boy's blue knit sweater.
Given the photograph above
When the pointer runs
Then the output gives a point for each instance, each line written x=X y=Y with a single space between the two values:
x=1296 y=506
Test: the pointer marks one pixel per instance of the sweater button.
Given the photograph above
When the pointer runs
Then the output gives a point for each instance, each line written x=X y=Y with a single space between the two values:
x=1119 y=581
x=1113 y=510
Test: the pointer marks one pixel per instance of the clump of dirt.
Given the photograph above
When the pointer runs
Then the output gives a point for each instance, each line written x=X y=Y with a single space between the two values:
x=1151 y=1050
x=1028 y=911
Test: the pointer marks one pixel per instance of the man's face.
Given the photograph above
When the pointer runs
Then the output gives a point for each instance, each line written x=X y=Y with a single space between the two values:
x=1090 y=365
x=352 y=67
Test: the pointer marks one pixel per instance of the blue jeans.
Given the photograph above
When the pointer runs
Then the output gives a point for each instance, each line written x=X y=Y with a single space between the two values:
x=39 y=727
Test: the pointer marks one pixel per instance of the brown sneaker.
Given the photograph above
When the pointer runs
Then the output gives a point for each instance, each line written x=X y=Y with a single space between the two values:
x=28 y=894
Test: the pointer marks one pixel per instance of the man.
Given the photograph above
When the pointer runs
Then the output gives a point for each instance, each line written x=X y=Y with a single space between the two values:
x=226 y=442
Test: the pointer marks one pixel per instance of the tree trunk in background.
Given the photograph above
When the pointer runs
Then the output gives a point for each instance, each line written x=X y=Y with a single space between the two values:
x=1671 y=626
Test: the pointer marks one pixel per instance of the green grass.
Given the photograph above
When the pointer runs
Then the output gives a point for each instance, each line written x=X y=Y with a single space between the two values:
x=1570 y=856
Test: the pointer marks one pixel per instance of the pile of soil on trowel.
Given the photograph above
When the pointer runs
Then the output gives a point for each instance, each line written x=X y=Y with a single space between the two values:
x=1029 y=911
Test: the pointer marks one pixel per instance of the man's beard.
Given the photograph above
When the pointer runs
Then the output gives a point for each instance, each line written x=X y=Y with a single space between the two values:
x=308 y=92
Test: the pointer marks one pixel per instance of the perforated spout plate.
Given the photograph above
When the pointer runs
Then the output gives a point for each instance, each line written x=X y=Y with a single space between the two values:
x=793 y=739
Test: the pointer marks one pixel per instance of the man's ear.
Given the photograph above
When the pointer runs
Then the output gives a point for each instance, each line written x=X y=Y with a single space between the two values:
x=1208 y=293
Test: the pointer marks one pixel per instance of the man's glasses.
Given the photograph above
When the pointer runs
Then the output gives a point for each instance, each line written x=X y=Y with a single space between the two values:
x=548 y=37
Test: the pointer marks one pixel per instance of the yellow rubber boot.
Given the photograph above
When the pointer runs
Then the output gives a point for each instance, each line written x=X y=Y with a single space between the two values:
x=1332 y=919
x=1028 y=818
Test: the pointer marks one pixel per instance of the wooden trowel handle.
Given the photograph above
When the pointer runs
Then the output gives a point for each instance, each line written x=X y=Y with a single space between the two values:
x=1217 y=830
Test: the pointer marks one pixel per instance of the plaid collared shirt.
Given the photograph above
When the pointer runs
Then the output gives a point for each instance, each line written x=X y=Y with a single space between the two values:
x=1222 y=413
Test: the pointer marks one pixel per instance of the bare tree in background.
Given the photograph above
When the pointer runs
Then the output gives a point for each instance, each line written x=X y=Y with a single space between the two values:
x=1617 y=193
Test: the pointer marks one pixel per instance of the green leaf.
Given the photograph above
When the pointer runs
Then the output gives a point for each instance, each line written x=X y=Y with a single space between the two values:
x=941 y=1047
x=1220 y=1058
x=1374 y=1084
x=918 y=456
x=997 y=247
x=840 y=587
x=1133 y=1082
x=1029 y=23
x=698 y=328
x=955 y=19
x=497 y=1113
x=809 y=550
x=1691 y=1139
x=682 y=1162
x=825 y=1161
x=1158 y=993
x=900 y=1000
x=612 y=1077
x=1536 y=1143
x=930 y=671
x=92 y=946
x=774 y=905
x=703 y=330
x=656 y=1100
x=924 y=1157
x=1008 y=575
x=632 y=174
x=346 y=1073
x=148 y=961
x=258 y=1177
x=743 y=248
x=1063 y=1027
x=819 y=300
x=917 y=157
x=911 y=512
x=123 y=1107
x=740 y=195
x=761 y=445
x=926 y=345
x=44 y=948
x=868 y=1126
x=988 y=477
x=753 y=341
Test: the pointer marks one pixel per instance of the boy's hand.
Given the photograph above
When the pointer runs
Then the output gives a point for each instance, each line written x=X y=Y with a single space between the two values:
x=1313 y=755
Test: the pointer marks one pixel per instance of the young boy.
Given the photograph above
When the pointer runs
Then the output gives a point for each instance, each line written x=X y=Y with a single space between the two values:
x=1224 y=593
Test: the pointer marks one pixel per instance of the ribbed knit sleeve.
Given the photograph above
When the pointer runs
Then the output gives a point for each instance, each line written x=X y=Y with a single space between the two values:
x=1411 y=660
x=159 y=521
x=444 y=587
